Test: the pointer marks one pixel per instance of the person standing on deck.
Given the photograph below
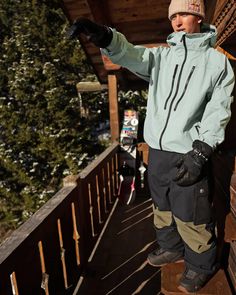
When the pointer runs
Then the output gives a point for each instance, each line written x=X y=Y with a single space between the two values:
x=188 y=108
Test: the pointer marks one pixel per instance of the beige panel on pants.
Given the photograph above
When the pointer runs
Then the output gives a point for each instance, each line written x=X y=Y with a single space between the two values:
x=197 y=237
x=161 y=218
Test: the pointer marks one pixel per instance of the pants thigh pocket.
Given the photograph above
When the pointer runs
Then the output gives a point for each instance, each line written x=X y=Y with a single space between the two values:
x=202 y=203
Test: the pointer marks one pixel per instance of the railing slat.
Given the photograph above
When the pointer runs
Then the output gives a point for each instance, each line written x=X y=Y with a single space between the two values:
x=76 y=235
x=63 y=261
x=14 y=284
x=101 y=198
x=98 y=200
x=105 y=189
x=45 y=276
x=67 y=229
x=117 y=165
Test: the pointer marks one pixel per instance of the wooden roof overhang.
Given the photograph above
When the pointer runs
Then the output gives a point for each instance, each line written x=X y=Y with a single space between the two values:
x=144 y=22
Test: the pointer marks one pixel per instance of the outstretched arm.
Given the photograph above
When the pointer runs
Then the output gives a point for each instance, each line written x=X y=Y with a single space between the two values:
x=137 y=59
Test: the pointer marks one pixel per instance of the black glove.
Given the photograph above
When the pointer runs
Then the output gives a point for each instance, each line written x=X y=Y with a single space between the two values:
x=190 y=166
x=100 y=35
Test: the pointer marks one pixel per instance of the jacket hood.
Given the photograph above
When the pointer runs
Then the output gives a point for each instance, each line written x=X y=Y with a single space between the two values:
x=207 y=37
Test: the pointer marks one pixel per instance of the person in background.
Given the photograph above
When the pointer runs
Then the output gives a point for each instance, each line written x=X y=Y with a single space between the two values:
x=188 y=108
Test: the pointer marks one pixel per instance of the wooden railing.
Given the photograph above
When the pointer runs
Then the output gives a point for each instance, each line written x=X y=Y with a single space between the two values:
x=49 y=252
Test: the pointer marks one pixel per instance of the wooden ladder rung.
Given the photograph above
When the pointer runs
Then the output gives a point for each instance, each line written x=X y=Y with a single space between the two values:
x=171 y=274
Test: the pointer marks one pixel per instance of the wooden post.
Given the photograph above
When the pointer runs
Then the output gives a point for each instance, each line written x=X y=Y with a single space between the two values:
x=113 y=107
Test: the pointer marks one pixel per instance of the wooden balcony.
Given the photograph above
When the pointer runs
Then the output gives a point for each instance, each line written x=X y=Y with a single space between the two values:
x=86 y=241
x=49 y=252
x=59 y=249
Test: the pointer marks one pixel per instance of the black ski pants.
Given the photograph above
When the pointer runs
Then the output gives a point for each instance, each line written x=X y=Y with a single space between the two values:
x=182 y=215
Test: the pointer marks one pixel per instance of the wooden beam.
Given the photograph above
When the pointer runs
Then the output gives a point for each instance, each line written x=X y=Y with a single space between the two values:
x=221 y=9
x=109 y=65
x=100 y=12
x=210 y=7
x=229 y=56
x=90 y=86
x=222 y=14
x=225 y=19
x=113 y=107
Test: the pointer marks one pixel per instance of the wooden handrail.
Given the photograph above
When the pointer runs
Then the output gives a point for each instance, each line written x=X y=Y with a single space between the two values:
x=51 y=249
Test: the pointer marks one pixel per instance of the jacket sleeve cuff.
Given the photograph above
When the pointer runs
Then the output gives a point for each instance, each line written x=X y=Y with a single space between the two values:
x=111 y=47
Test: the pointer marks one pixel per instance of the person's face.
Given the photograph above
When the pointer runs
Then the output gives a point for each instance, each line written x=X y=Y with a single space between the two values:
x=188 y=23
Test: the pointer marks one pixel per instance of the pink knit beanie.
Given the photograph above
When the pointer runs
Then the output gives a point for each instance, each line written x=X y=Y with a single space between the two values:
x=195 y=7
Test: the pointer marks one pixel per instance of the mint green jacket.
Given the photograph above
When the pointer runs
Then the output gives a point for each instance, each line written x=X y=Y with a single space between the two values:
x=190 y=87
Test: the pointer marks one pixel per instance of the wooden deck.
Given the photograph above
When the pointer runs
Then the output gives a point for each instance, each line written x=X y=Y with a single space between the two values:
x=119 y=265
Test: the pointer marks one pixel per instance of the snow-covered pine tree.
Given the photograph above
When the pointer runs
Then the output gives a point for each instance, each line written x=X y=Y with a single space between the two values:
x=42 y=136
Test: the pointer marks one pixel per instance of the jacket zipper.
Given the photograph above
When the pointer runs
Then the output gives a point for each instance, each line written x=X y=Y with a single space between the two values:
x=176 y=92
x=197 y=128
x=185 y=88
x=172 y=86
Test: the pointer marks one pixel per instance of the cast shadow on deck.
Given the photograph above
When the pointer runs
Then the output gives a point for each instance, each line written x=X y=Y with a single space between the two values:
x=119 y=264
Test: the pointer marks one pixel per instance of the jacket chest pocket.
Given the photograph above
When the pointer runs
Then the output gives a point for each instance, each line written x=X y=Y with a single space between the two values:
x=186 y=85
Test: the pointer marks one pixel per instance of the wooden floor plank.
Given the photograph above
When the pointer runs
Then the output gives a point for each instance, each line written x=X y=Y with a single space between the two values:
x=230 y=228
x=171 y=275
